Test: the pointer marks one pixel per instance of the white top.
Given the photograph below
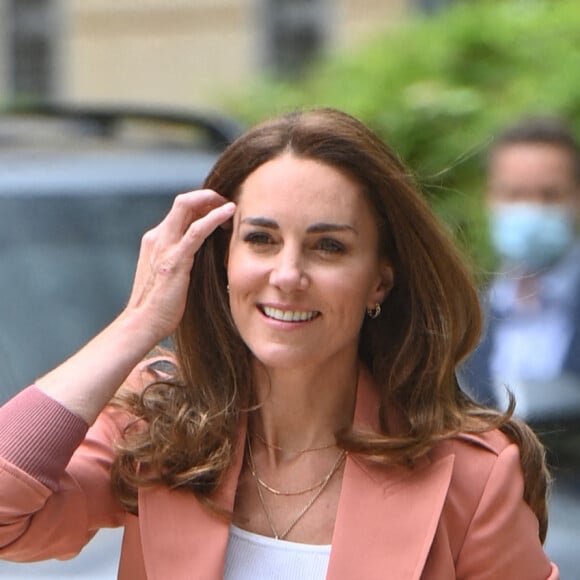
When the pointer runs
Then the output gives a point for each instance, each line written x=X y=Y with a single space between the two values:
x=250 y=556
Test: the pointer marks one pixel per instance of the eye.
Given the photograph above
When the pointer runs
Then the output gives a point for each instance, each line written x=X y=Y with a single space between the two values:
x=258 y=238
x=331 y=246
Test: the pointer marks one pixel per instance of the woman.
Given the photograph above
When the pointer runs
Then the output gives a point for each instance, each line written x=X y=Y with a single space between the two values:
x=309 y=423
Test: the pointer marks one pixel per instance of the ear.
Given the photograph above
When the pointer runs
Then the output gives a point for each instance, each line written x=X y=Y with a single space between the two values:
x=384 y=284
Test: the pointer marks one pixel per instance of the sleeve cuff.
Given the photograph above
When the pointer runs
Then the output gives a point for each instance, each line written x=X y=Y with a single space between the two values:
x=39 y=435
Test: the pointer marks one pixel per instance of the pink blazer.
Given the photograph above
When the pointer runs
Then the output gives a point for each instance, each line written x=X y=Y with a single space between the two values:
x=458 y=514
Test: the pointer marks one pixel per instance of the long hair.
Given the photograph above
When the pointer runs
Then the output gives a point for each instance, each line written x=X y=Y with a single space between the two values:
x=430 y=322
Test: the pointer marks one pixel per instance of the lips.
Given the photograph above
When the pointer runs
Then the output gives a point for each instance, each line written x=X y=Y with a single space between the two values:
x=285 y=315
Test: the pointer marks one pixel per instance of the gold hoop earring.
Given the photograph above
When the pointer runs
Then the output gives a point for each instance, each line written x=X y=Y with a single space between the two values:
x=374 y=311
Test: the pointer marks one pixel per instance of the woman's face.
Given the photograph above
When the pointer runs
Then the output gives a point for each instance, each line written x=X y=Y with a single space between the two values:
x=303 y=263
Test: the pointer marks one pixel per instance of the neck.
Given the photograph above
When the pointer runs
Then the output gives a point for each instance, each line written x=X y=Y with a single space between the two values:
x=304 y=408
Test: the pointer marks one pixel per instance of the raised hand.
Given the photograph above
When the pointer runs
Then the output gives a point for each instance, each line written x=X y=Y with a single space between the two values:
x=86 y=382
x=167 y=256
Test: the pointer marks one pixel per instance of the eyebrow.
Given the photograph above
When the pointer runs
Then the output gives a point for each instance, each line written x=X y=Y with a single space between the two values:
x=317 y=228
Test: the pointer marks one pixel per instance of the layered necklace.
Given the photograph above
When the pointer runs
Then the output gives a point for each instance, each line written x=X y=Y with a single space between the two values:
x=316 y=489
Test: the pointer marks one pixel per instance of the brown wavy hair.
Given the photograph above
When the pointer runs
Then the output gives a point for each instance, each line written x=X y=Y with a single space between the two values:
x=185 y=430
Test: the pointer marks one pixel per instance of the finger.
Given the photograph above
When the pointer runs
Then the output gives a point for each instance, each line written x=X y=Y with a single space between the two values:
x=186 y=208
x=201 y=228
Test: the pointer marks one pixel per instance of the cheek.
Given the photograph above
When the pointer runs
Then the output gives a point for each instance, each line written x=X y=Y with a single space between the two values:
x=244 y=272
x=350 y=293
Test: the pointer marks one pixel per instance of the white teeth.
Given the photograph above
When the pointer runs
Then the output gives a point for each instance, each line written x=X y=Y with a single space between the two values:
x=288 y=315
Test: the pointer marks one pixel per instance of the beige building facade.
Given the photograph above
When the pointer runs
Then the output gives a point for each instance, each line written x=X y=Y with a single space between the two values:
x=184 y=53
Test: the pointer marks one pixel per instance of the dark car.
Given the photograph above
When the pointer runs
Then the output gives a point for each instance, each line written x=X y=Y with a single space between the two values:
x=78 y=188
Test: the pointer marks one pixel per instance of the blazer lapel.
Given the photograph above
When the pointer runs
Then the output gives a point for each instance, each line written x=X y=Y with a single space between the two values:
x=181 y=538
x=386 y=519
x=387 y=515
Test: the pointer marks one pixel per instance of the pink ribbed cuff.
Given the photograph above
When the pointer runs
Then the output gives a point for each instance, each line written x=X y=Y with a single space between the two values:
x=39 y=435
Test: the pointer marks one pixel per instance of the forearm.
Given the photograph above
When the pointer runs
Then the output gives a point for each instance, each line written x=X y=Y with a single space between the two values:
x=85 y=382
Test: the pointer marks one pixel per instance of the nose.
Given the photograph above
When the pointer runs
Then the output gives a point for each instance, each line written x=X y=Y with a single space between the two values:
x=288 y=271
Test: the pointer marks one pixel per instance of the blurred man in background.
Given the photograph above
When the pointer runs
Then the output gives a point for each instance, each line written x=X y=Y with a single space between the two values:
x=532 y=339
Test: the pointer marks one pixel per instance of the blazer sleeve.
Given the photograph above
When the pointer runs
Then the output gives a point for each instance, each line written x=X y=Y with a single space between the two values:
x=502 y=540
x=38 y=521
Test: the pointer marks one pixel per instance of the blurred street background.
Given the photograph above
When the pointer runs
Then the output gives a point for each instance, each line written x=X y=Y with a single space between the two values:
x=436 y=78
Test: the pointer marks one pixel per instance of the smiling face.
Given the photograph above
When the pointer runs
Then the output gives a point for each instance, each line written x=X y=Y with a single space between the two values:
x=303 y=263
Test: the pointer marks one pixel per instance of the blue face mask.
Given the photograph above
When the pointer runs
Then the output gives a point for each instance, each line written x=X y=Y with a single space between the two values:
x=531 y=236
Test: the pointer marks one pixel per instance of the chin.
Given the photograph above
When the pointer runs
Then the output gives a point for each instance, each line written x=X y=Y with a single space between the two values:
x=283 y=358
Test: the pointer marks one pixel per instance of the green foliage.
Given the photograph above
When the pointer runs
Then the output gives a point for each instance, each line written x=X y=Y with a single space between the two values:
x=438 y=88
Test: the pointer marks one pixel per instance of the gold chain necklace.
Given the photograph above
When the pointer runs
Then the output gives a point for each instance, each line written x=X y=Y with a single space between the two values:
x=273 y=490
x=292 y=451
x=282 y=535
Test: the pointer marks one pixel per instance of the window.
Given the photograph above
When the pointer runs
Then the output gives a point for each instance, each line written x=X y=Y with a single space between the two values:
x=296 y=32
x=31 y=29
x=431 y=6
